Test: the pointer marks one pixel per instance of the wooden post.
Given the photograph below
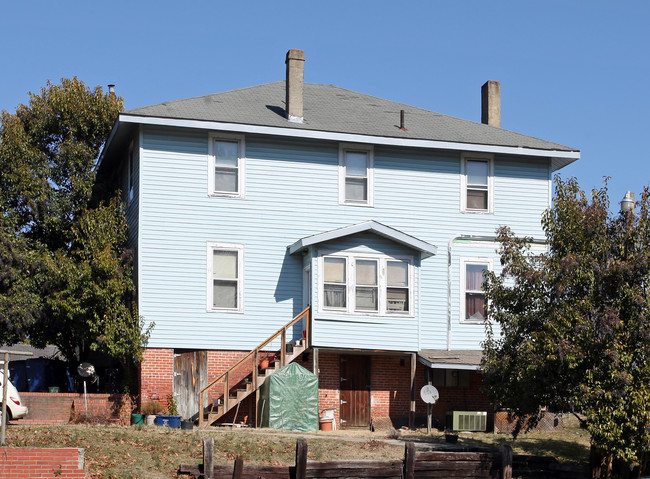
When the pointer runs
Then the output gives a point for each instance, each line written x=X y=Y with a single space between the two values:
x=315 y=361
x=256 y=362
x=283 y=351
x=208 y=457
x=226 y=392
x=429 y=406
x=506 y=462
x=308 y=328
x=238 y=468
x=301 y=459
x=412 y=410
x=409 y=460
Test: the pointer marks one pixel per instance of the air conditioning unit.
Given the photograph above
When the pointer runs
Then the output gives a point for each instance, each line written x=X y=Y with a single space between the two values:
x=466 y=420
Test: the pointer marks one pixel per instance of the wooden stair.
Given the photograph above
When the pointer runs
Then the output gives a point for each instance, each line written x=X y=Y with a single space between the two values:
x=253 y=377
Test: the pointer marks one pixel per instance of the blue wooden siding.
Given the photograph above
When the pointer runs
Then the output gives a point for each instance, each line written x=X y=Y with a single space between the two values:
x=291 y=192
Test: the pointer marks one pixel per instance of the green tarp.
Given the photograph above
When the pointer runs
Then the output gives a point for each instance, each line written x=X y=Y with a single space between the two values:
x=289 y=400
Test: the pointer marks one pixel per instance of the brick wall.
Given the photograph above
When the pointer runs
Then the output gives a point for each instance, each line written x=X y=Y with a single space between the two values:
x=390 y=386
x=33 y=462
x=61 y=408
x=156 y=374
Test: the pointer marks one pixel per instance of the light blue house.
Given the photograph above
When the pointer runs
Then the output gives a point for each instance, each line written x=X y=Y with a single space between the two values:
x=249 y=206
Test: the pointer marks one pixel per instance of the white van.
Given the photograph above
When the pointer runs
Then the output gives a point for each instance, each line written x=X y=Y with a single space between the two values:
x=15 y=407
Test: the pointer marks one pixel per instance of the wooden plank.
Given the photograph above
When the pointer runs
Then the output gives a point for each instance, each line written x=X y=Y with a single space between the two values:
x=238 y=468
x=301 y=459
x=506 y=462
x=453 y=466
x=208 y=457
x=457 y=456
x=255 y=472
x=409 y=460
x=362 y=468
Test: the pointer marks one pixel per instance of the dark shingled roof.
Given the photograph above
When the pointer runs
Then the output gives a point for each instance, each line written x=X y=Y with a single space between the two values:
x=332 y=109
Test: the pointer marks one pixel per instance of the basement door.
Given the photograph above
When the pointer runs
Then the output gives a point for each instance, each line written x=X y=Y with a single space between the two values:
x=355 y=391
x=190 y=376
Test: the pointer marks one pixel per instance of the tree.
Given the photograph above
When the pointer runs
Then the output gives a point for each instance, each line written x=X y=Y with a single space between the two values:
x=65 y=277
x=573 y=323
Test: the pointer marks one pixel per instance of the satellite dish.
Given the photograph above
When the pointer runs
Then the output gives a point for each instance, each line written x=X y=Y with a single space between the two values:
x=86 y=370
x=429 y=394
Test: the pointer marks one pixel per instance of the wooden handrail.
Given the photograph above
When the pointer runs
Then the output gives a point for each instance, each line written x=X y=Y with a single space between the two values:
x=280 y=332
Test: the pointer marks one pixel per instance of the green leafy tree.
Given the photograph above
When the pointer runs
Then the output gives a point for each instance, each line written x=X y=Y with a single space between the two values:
x=572 y=325
x=65 y=277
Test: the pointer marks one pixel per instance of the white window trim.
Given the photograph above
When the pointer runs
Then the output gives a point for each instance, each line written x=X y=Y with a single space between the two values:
x=463 y=182
x=351 y=284
x=464 y=261
x=212 y=246
x=369 y=150
x=241 y=165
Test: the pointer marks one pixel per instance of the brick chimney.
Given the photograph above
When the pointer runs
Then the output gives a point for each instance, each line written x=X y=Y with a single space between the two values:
x=491 y=103
x=295 y=84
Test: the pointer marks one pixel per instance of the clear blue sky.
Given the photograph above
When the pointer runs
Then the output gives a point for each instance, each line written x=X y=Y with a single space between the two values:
x=573 y=72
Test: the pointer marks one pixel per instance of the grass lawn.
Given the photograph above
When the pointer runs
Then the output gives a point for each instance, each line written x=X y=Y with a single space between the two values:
x=151 y=452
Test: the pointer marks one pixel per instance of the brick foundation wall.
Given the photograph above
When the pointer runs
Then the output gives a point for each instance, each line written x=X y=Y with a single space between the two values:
x=390 y=386
x=33 y=462
x=62 y=408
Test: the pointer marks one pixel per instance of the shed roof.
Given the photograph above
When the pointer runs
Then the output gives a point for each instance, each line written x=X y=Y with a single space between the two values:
x=454 y=359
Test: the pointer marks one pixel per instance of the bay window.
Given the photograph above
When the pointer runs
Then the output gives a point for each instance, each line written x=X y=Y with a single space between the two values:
x=366 y=284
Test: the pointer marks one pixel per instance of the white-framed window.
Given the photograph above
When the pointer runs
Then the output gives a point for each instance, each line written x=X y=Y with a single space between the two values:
x=225 y=277
x=477 y=183
x=226 y=165
x=472 y=301
x=366 y=284
x=356 y=175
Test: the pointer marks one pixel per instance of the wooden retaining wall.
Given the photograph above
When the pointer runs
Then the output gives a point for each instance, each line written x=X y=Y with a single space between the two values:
x=491 y=464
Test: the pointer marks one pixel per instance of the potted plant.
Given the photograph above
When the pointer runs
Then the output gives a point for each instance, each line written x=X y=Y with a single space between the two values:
x=171 y=418
x=150 y=409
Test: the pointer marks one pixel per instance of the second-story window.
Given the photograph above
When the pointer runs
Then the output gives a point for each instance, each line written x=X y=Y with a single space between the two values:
x=225 y=268
x=355 y=175
x=473 y=297
x=477 y=191
x=226 y=176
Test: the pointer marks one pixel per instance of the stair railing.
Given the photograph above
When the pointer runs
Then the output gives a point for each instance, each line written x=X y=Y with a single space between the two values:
x=254 y=354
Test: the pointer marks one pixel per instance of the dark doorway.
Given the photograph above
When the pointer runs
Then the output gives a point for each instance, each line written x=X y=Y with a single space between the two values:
x=355 y=391
x=190 y=376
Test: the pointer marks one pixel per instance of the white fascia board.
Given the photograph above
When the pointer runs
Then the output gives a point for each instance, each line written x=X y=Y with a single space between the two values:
x=382 y=230
x=467 y=367
x=567 y=156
